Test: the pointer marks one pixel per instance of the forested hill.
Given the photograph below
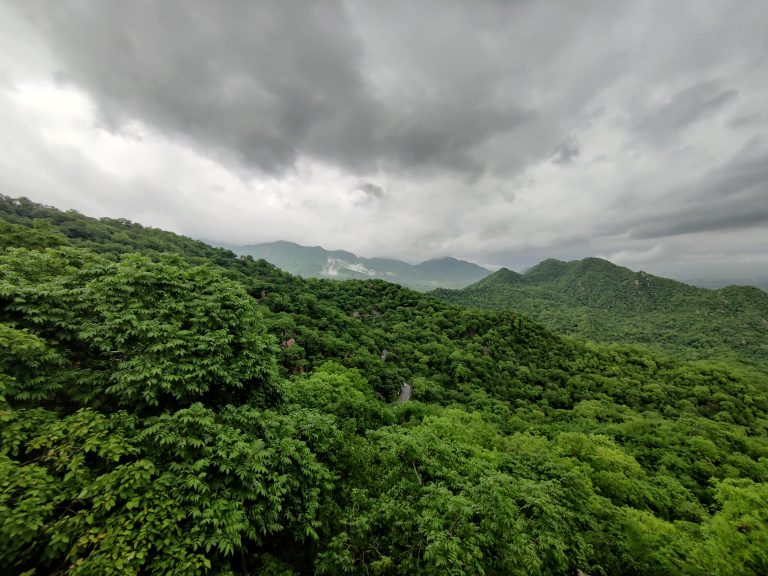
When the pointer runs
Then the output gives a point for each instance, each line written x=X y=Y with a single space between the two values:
x=171 y=408
x=595 y=299
x=316 y=262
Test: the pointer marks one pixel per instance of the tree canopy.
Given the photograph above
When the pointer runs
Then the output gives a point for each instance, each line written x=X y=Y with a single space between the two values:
x=171 y=408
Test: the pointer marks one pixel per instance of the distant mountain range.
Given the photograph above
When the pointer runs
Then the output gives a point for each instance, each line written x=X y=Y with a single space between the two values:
x=316 y=262
x=595 y=299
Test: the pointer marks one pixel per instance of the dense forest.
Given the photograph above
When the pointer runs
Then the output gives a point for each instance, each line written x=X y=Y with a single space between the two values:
x=597 y=300
x=170 y=408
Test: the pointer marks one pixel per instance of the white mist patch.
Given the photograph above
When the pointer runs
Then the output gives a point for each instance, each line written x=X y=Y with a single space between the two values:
x=333 y=266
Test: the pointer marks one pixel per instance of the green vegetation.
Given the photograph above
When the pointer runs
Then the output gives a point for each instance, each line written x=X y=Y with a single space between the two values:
x=600 y=301
x=171 y=408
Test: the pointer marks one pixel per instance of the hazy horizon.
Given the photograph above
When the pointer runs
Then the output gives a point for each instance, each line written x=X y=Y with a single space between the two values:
x=493 y=132
x=705 y=281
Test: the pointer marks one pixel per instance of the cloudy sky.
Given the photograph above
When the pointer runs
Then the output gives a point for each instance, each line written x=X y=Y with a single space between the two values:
x=501 y=132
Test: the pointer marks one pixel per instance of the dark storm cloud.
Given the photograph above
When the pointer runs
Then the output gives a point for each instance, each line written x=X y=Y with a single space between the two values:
x=260 y=84
x=684 y=108
x=371 y=190
x=446 y=135
x=706 y=220
x=566 y=152
x=366 y=193
x=732 y=197
x=246 y=80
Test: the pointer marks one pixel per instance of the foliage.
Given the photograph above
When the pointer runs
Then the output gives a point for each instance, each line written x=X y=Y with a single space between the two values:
x=595 y=299
x=167 y=407
x=136 y=332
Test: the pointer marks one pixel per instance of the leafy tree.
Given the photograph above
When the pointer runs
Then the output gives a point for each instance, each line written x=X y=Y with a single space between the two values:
x=140 y=333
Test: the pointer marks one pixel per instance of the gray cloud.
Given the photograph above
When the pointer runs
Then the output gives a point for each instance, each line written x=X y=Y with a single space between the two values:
x=465 y=129
x=690 y=105
x=260 y=84
x=705 y=220
x=371 y=190
x=248 y=81
x=566 y=152
x=730 y=197
x=366 y=193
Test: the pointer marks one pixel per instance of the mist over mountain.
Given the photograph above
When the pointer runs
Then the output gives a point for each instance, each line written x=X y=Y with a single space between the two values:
x=317 y=262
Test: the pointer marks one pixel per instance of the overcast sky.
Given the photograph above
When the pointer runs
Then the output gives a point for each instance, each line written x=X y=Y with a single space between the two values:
x=499 y=132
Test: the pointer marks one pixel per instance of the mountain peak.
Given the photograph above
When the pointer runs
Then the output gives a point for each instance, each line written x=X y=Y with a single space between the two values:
x=597 y=262
x=504 y=275
x=546 y=269
x=598 y=300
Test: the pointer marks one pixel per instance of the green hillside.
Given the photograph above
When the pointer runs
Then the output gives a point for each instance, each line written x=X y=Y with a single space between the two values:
x=316 y=262
x=600 y=301
x=171 y=408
